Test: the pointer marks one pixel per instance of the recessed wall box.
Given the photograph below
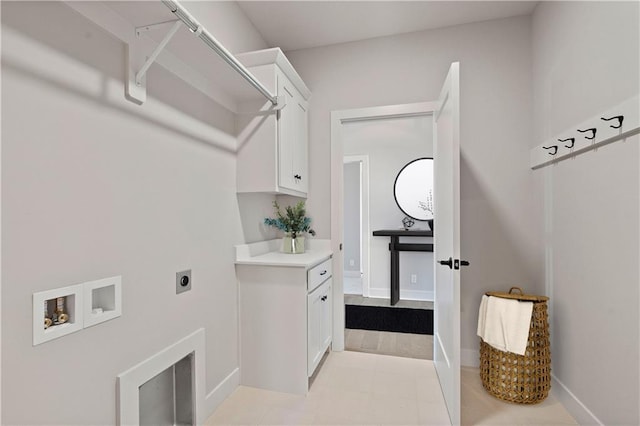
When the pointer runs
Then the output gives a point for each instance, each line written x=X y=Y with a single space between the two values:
x=102 y=300
x=64 y=310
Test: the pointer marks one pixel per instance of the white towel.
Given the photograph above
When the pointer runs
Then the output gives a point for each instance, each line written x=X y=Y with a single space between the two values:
x=482 y=315
x=504 y=323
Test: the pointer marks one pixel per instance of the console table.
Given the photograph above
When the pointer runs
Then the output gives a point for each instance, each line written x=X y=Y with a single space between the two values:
x=395 y=247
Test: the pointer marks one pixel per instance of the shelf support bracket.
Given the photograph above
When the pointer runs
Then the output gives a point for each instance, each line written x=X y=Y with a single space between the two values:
x=268 y=108
x=136 y=87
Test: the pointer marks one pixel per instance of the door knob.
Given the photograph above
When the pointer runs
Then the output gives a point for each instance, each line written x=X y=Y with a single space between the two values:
x=448 y=263
x=457 y=263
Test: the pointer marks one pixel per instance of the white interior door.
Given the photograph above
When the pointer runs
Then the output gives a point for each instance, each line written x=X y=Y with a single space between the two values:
x=447 y=241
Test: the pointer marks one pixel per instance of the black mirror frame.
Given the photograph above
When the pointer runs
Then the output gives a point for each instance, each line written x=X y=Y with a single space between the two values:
x=396 y=181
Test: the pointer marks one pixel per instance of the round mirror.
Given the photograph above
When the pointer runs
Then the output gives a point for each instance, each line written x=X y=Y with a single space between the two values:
x=413 y=189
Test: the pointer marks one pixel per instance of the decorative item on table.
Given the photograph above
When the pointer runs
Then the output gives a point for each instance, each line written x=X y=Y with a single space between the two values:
x=427 y=206
x=407 y=222
x=294 y=223
x=60 y=316
x=47 y=318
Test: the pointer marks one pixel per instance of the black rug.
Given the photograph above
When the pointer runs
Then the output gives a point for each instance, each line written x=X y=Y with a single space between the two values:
x=382 y=318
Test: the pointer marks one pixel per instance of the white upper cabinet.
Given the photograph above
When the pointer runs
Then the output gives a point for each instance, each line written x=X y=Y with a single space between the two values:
x=273 y=145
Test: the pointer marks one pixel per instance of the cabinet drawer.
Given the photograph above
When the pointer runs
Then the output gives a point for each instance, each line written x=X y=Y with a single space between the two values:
x=318 y=274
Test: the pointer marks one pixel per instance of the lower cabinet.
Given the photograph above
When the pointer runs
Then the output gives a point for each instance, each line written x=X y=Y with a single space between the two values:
x=319 y=311
x=286 y=316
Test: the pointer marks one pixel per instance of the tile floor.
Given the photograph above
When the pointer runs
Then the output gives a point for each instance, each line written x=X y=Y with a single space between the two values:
x=388 y=343
x=361 y=388
x=352 y=299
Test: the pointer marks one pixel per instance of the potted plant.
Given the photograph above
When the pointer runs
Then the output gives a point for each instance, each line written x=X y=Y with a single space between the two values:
x=294 y=223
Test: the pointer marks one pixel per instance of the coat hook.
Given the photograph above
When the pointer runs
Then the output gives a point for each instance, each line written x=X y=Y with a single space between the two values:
x=620 y=119
x=553 y=147
x=593 y=134
x=573 y=141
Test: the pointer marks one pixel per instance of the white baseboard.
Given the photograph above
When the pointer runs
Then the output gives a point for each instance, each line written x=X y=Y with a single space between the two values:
x=221 y=392
x=470 y=358
x=384 y=293
x=574 y=406
x=379 y=293
x=426 y=296
x=352 y=283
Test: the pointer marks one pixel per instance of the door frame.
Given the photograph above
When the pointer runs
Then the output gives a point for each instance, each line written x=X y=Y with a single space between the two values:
x=338 y=118
x=363 y=160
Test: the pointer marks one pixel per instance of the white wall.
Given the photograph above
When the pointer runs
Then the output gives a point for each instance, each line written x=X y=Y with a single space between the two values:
x=228 y=24
x=390 y=144
x=352 y=217
x=254 y=208
x=499 y=233
x=94 y=186
x=586 y=57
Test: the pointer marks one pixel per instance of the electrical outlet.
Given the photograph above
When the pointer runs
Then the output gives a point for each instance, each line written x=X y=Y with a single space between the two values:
x=352 y=262
x=183 y=281
x=414 y=278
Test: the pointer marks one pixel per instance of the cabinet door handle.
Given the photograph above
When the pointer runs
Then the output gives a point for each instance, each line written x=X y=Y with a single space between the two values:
x=323 y=298
x=297 y=177
x=323 y=273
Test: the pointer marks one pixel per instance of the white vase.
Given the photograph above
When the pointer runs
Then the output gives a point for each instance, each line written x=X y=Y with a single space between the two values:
x=292 y=245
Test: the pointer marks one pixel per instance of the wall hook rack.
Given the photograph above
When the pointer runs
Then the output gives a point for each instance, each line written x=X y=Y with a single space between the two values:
x=590 y=134
x=593 y=131
x=573 y=142
x=620 y=119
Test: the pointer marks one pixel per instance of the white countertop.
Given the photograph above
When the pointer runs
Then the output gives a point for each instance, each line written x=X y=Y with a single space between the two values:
x=267 y=253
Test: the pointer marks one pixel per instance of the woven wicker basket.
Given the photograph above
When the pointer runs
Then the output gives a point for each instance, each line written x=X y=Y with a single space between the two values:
x=523 y=379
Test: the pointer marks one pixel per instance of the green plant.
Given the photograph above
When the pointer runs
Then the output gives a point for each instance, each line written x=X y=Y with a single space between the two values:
x=293 y=220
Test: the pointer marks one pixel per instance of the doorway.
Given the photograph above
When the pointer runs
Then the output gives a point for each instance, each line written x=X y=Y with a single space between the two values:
x=362 y=138
x=356 y=225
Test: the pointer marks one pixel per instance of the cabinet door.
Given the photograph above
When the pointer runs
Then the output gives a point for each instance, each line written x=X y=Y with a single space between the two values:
x=327 y=317
x=287 y=134
x=314 y=329
x=319 y=324
x=301 y=156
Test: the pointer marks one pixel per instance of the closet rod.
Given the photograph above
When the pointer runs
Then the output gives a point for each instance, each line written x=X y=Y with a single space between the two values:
x=214 y=44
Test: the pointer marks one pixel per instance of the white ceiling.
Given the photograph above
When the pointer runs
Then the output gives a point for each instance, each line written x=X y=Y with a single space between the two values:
x=293 y=25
